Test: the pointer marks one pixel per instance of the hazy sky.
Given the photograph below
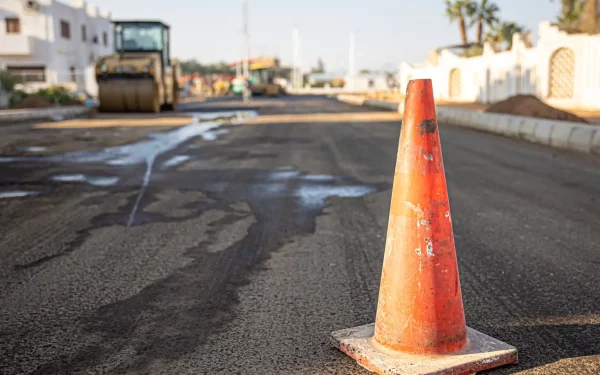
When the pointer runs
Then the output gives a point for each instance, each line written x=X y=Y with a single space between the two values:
x=387 y=31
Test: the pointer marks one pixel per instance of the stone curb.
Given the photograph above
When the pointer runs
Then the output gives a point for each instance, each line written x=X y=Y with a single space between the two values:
x=574 y=136
x=41 y=114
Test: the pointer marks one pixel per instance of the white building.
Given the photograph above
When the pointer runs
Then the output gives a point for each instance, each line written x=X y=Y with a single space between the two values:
x=368 y=81
x=51 y=43
x=562 y=69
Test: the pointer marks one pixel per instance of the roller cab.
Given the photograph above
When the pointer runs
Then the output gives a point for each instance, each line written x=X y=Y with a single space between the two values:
x=139 y=76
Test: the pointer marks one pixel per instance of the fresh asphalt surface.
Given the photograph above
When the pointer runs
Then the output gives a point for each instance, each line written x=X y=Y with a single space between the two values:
x=246 y=255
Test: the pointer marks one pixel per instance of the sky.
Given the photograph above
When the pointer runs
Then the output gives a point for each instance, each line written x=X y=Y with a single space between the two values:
x=387 y=32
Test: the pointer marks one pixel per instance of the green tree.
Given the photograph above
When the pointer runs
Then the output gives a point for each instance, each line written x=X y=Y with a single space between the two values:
x=494 y=35
x=193 y=66
x=508 y=29
x=481 y=14
x=320 y=68
x=503 y=33
x=570 y=12
x=8 y=81
x=579 y=16
x=458 y=11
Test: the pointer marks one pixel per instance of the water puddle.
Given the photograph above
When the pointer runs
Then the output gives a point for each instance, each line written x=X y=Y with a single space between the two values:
x=32 y=149
x=175 y=161
x=287 y=172
x=90 y=180
x=16 y=193
x=311 y=189
x=283 y=174
x=314 y=196
x=212 y=135
x=319 y=177
x=235 y=116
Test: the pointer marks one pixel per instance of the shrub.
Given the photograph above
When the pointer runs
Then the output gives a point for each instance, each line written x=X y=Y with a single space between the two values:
x=17 y=97
x=55 y=95
x=8 y=81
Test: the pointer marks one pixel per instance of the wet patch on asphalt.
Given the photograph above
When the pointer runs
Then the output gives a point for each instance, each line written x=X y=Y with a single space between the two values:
x=16 y=193
x=142 y=152
x=272 y=207
x=31 y=149
x=90 y=180
x=175 y=161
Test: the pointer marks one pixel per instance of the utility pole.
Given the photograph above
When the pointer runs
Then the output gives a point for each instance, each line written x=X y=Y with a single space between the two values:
x=300 y=76
x=351 y=62
x=296 y=68
x=246 y=49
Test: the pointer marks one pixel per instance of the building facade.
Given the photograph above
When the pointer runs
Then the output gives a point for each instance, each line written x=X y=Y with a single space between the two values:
x=50 y=43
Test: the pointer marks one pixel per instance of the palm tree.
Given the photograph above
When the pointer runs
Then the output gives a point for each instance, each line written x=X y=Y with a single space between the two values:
x=457 y=11
x=508 y=29
x=483 y=13
x=504 y=32
x=570 y=12
x=579 y=16
x=588 y=18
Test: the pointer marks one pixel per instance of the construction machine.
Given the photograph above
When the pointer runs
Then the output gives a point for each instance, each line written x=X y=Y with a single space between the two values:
x=263 y=73
x=140 y=76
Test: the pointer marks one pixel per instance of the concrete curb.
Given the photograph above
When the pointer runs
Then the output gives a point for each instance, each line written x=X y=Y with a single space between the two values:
x=41 y=114
x=567 y=135
x=381 y=104
x=574 y=136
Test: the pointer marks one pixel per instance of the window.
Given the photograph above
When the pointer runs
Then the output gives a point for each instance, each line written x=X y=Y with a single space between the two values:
x=105 y=38
x=83 y=33
x=65 y=29
x=28 y=73
x=73 y=75
x=95 y=39
x=139 y=37
x=13 y=26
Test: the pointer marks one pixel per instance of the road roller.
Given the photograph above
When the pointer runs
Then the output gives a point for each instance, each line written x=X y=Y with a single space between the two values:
x=264 y=73
x=139 y=76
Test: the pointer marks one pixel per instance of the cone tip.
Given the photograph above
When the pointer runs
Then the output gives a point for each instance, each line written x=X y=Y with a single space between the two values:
x=419 y=84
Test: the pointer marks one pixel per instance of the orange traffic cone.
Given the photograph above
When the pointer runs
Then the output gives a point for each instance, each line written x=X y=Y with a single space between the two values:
x=420 y=325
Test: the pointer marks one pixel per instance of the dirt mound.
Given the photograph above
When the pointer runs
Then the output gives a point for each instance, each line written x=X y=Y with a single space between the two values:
x=32 y=101
x=531 y=106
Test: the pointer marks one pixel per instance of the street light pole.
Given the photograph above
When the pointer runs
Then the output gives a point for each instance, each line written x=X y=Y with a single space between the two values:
x=296 y=68
x=351 y=62
x=246 y=50
x=300 y=76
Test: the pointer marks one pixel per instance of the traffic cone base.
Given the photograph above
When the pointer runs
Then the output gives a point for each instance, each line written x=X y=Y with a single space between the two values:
x=482 y=352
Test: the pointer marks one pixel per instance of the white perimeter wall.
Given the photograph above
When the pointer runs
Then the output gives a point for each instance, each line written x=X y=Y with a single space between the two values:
x=569 y=63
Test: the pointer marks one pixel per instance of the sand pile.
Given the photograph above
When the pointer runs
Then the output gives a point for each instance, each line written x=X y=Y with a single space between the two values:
x=531 y=106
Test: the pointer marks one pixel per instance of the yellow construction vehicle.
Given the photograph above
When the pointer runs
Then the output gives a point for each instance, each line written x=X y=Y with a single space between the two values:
x=263 y=74
x=139 y=76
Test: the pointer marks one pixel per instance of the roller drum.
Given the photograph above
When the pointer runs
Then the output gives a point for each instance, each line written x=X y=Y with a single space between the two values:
x=128 y=95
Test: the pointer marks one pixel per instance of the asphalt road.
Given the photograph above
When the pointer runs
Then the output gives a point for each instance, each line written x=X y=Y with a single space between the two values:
x=237 y=249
